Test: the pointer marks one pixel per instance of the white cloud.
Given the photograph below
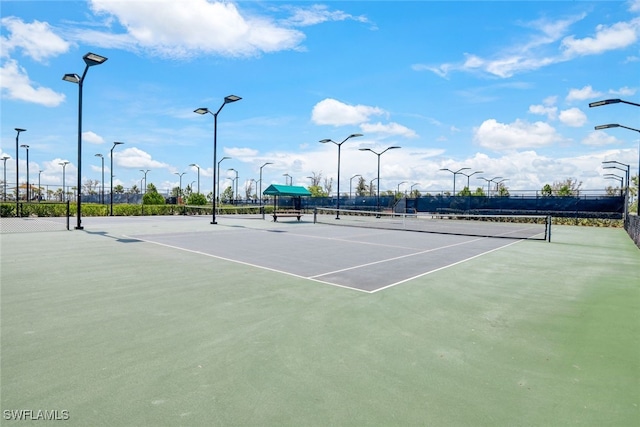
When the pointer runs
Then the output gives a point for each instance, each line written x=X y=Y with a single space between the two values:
x=616 y=36
x=517 y=135
x=586 y=92
x=599 y=139
x=240 y=153
x=332 y=112
x=388 y=129
x=92 y=138
x=550 y=112
x=135 y=158
x=15 y=84
x=37 y=40
x=317 y=14
x=573 y=117
x=184 y=29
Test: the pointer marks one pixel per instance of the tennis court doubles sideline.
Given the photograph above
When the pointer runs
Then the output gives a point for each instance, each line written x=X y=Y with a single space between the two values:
x=366 y=260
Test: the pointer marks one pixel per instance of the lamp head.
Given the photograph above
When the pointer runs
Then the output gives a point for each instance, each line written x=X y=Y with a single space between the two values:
x=92 y=59
x=608 y=126
x=324 y=141
x=604 y=102
x=201 y=110
x=99 y=155
x=231 y=98
x=73 y=78
x=24 y=146
x=20 y=130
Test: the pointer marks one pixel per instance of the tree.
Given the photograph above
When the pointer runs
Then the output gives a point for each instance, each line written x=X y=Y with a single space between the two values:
x=503 y=191
x=196 y=199
x=90 y=186
x=134 y=190
x=568 y=187
x=479 y=192
x=317 y=191
x=118 y=189
x=361 y=189
x=249 y=190
x=546 y=191
x=152 y=197
x=227 y=195
x=464 y=192
x=315 y=179
x=328 y=185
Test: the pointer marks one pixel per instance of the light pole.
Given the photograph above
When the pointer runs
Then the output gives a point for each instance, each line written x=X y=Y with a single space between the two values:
x=144 y=190
x=454 y=176
x=198 y=167
x=616 y=177
x=26 y=147
x=468 y=176
x=267 y=163
x=339 y=144
x=612 y=164
x=286 y=180
x=234 y=185
x=90 y=59
x=39 y=187
x=111 y=173
x=18 y=130
x=489 y=181
x=64 y=166
x=4 y=169
x=498 y=185
x=180 y=187
x=398 y=192
x=379 y=154
x=102 y=195
x=218 y=179
x=351 y=181
x=615 y=125
x=411 y=189
x=227 y=100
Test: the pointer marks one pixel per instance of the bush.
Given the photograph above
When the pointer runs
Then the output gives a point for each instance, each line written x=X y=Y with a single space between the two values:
x=196 y=199
x=153 y=198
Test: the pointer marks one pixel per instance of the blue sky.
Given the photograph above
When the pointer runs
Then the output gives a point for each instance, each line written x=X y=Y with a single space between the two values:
x=501 y=87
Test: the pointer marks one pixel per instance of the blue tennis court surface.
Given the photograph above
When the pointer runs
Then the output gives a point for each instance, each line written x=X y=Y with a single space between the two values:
x=363 y=259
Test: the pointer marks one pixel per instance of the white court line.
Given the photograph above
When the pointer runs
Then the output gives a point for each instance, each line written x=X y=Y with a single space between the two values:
x=442 y=268
x=396 y=258
x=244 y=263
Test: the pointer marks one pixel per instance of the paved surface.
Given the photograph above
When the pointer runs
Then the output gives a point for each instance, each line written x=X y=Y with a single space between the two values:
x=118 y=331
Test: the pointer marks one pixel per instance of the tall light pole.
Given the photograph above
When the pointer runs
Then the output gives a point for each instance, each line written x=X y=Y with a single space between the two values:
x=339 y=144
x=144 y=190
x=612 y=164
x=90 y=59
x=4 y=169
x=411 y=189
x=235 y=185
x=616 y=177
x=498 y=185
x=227 y=100
x=350 y=182
x=454 y=176
x=64 y=166
x=468 y=176
x=218 y=179
x=615 y=125
x=102 y=195
x=26 y=147
x=180 y=187
x=267 y=163
x=111 y=173
x=489 y=181
x=287 y=178
x=39 y=187
x=379 y=154
x=198 y=167
x=398 y=192
x=18 y=130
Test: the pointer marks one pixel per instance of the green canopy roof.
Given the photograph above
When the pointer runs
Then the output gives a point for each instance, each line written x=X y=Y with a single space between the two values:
x=286 y=190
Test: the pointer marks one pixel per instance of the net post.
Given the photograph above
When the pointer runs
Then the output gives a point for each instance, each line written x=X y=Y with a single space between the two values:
x=315 y=215
x=548 y=228
x=68 y=214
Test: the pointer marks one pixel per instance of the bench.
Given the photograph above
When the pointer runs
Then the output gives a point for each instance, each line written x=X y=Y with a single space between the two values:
x=290 y=213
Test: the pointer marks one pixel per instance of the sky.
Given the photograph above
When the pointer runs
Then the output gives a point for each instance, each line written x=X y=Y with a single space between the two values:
x=500 y=87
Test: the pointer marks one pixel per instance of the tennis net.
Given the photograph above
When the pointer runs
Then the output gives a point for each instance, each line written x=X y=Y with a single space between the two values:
x=535 y=227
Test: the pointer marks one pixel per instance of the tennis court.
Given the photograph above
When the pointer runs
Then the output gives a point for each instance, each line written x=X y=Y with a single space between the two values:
x=175 y=321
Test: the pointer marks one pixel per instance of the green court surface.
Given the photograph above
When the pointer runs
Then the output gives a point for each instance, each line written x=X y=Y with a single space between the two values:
x=108 y=330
